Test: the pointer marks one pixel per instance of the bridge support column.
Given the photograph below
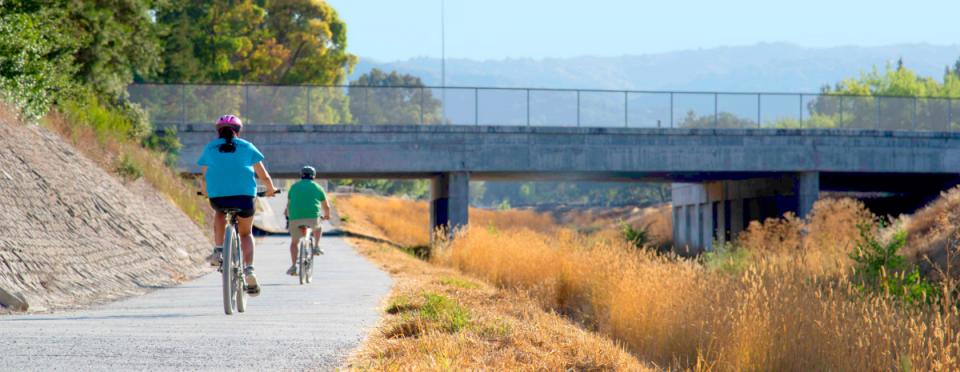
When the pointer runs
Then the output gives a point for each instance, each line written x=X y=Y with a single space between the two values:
x=712 y=213
x=808 y=190
x=449 y=201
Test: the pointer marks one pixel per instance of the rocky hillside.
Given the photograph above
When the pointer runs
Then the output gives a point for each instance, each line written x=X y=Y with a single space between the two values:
x=72 y=235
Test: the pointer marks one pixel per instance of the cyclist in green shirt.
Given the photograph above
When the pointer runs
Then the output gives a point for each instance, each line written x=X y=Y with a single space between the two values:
x=304 y=202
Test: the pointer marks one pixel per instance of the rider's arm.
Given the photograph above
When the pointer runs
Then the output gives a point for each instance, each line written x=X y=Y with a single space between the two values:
x=203 y=179
x=326 y=209
x=265 y=178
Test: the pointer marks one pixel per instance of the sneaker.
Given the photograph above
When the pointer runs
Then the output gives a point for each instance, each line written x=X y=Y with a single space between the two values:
x=216 y=258
x=317 y=251
x=252 y=288
x=292 y=271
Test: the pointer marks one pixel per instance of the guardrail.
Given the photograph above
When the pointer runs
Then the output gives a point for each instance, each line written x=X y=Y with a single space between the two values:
x=421 y=105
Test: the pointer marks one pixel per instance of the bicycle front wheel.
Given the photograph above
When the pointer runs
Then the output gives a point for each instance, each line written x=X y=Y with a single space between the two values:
x=226 y=266
x=239 y=278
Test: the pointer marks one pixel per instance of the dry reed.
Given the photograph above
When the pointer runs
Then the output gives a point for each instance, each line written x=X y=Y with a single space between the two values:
x=405 y=221
x=678 y=314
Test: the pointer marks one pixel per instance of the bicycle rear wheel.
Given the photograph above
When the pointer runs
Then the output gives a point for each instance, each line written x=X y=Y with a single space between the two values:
x=239 y=279
x=302 y=261
x=226 y=267
x=310 y=257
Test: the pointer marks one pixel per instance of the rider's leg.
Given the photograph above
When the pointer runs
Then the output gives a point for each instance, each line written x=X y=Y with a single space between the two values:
x=295 y=243
x=294 y=248
x=245 y=225
x=219 y=224
x=317 y=233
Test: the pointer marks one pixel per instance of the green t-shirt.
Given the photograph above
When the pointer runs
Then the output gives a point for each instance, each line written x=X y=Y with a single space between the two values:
x=303 y=200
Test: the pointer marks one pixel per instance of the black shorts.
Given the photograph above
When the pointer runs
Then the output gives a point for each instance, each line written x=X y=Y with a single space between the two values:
x=243 y=203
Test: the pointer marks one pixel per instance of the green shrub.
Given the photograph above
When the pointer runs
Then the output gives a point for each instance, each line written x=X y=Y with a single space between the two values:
x=400 y=304
x=727 y=258
x=138 y=119
x=880 y=269
x=165 y=142
x=637 y=237
x=448 y=312
x=128 y=169
x=106 y=122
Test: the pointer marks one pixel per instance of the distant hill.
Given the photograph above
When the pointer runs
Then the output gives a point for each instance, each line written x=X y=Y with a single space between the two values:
x=761 y=67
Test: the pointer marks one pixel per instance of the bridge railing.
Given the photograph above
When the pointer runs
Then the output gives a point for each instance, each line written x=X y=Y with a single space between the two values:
x=274 y=104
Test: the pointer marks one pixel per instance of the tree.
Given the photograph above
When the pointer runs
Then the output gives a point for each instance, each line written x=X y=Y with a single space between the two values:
x=278 y=42
x=577 y=193
x=380 y=98
x=287 y=42
x=722 y=120
x=415 y=189
x=118 y=41
x=36 y=56
x=86 y=50
x=316 y=38
x=859 y=108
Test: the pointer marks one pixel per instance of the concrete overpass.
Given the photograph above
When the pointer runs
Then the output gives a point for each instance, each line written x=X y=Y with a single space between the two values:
x=723 y=178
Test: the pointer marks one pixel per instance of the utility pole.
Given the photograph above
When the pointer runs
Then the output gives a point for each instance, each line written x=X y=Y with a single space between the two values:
x=443 y=44
x=443 y=59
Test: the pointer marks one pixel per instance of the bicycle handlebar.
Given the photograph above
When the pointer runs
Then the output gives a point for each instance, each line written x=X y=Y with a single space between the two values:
x=264 y=193
x=259 y=194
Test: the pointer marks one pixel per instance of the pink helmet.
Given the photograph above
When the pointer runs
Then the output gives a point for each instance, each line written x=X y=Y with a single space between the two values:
x=230 y=120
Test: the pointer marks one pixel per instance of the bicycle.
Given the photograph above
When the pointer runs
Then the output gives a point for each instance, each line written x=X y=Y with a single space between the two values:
x=308 y=244
x=234 y=280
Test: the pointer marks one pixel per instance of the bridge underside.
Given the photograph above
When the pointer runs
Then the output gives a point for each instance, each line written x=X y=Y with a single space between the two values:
x=708 y=208
x=723 y=178
x=714 y=212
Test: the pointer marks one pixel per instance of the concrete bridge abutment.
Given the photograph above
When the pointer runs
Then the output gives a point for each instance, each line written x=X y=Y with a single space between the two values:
x=449 y=201
x=711 y=213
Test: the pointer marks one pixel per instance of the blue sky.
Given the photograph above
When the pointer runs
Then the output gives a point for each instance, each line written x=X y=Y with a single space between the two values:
x=388 y=30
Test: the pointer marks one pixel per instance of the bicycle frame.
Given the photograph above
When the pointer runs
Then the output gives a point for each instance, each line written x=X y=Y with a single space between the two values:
x=305 y=255
x=234 y=279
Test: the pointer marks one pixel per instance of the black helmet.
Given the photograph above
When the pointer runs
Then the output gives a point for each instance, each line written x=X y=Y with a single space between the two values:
x=307 y=172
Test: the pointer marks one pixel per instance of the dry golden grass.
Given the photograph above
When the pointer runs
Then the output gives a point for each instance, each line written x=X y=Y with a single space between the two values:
x=406 y=221
x=819 y=245
x=657 y=221
x=677 y=314
x=504 y=330
x=680 y=315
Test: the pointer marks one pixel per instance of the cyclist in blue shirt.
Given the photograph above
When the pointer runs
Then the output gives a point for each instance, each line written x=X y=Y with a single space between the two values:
x=230 y=166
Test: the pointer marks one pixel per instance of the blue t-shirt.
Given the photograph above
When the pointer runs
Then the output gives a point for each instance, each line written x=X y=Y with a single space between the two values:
x=230 y=173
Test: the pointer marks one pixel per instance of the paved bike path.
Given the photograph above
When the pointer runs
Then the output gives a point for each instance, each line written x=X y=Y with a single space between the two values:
x=288 y=327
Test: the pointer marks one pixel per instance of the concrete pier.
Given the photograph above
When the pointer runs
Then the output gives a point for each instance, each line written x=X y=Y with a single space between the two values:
x=711 y=213
x=449 y=201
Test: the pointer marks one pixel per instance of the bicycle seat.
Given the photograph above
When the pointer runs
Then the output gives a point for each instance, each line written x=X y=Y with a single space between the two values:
x=230 y=210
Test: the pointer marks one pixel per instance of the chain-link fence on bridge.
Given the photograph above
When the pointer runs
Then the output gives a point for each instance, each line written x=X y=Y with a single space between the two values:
x=308 y=105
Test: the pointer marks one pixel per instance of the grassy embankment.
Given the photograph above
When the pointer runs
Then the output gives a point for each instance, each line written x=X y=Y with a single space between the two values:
x=785 y=299
x=439 y=319
x=103 y=135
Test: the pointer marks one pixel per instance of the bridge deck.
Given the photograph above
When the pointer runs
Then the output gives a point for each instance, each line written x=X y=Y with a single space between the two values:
x=505 y=152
